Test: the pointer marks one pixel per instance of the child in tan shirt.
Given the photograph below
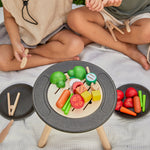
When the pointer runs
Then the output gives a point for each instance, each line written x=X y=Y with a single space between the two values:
x=40 y=26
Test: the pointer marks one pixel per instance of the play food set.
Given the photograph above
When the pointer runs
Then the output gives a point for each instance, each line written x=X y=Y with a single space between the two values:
x=79 y=87
x=120 y=95
x=58 y=78
x=15 y=103
x=131 y=92
x=23 y=101
x=130 y=102
x=86 y=107
x=81 y=80
x=11 y=111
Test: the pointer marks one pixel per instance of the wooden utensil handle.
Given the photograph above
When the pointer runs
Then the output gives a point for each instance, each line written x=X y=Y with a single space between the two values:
x=5 y=131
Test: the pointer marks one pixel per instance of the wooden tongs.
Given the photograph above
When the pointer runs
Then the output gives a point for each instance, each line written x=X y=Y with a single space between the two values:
x=111 y=26
x=11 y=111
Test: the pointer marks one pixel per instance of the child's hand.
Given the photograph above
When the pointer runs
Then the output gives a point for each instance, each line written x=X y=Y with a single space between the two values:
x=115 y=3
x=94 y=5
x=18 y=49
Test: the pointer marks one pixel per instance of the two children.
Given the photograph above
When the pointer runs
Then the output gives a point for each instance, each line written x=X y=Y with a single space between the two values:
x=39 y=25
x=90 y=22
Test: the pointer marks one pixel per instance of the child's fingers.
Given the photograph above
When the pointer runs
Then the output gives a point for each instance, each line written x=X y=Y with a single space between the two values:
x=87 y=2
x=17 y=56
x=92 y=2
x=29 y=55
x=108 y=3
x=100 y=7
x=95 y=4
x=117 y=3
x=105 y=2
x=111 y=2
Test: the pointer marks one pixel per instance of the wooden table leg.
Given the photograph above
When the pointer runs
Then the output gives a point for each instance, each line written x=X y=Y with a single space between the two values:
x=43 y=139
x=103 y=138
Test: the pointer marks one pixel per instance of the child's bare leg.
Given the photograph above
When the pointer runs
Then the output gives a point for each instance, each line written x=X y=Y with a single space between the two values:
x=9 y=63
x=91 y=24
x=140 y=33
x=64 y=44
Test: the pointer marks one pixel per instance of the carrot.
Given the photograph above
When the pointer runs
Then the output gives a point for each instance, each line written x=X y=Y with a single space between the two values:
x=63 y=98
x=127 y=111
x=137 y=104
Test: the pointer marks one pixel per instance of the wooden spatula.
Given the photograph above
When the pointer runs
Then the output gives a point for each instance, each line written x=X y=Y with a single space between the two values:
x=5 y=131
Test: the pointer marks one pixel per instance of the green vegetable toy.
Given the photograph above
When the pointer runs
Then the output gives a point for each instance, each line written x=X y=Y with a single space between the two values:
x=58 y=78
x=77 y=72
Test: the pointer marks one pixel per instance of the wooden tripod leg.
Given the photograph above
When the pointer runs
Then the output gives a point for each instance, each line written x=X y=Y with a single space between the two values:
x=43 y=139
x=103 y=138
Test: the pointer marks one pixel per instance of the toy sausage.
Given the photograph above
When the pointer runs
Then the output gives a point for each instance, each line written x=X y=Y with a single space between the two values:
x=63 y=98
x=137 y=104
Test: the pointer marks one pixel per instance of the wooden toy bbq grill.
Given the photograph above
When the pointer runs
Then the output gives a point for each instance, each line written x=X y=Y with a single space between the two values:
x=90 y=117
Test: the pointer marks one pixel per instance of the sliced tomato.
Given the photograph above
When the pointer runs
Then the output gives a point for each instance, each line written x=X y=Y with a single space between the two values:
x=77 y=101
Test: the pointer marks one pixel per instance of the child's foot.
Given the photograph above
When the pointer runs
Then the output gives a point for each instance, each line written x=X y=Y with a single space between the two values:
x=136 y=55
x=76 y=58
x=68 y=59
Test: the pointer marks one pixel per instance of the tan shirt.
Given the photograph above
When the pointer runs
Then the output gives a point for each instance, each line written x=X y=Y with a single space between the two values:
x=50 y=14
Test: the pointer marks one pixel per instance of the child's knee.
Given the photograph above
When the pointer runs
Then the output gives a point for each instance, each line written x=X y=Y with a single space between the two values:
x=74 y=18
x=75 y=46
x=145 y=34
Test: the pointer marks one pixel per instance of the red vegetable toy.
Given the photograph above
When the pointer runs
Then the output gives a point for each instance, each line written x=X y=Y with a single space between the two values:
x=120 y=95
x=128 y=102
x=131 y=92
x=75 y=85
x=118 y=105
x=77 y=101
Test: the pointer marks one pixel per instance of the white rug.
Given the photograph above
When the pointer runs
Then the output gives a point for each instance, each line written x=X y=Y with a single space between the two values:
x=123 y=134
